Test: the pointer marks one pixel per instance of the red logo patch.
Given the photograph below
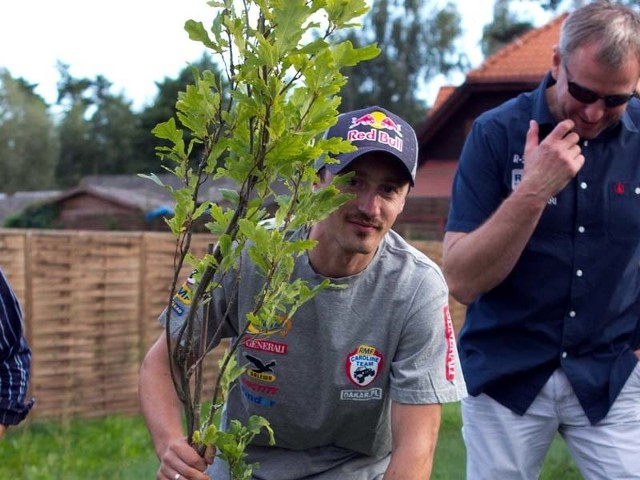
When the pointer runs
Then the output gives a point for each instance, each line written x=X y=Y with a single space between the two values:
x=450 y=363
x=363 y=365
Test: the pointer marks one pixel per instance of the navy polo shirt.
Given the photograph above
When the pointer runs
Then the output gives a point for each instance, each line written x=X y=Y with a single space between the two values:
x=571 y=300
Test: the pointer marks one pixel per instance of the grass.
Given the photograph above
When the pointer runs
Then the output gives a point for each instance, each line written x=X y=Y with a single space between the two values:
x=110 y=448
x=119 y=448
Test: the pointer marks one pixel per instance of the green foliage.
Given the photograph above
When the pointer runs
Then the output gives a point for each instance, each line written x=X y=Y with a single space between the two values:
x=506 y=26
x=36 y=216
x=28 y=143
x=232 y=443
x=162 y=108
x=97 y=132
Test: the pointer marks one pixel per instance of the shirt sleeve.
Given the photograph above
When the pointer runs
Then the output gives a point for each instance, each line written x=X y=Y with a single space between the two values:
x=15 y=359
x=479 y=185
x=178 y=313
x=426 y=368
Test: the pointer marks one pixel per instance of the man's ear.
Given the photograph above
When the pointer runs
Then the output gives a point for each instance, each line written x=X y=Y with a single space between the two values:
x=556 y=62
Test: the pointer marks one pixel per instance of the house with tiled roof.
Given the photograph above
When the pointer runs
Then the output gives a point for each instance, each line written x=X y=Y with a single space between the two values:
x=516 y=68
x=116 y=202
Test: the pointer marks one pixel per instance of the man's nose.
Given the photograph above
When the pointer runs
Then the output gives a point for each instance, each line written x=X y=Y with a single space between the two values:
x=369 y=202
x=595 y=111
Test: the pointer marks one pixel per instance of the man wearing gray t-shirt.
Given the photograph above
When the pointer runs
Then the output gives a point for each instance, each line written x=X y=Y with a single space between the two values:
x=353 y=390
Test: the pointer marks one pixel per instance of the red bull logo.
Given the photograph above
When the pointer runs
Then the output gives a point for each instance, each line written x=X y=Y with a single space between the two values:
x=377 y=120
x=384 y=130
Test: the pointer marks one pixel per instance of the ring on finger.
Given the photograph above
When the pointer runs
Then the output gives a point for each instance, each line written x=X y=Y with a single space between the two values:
x=177 y=476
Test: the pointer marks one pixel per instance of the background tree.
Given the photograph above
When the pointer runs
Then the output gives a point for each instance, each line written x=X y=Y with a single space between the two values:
x=416 y=39
x=28 y=142
x=97 y=132
x=506 y=26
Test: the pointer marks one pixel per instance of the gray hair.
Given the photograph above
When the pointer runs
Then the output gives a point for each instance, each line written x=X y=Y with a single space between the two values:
x=614 y=27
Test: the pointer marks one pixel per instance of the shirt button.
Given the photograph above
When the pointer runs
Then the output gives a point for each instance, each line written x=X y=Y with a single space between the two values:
x=637 y=191
x=579 y=273
x=564 y=354
x=583 y=185
x=581 y=229
x=572 y=313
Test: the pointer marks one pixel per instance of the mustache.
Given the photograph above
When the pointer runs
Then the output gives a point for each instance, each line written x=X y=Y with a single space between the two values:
x=365 y=220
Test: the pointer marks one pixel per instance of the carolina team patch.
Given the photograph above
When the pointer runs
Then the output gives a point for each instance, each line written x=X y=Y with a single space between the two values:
x=363 y=365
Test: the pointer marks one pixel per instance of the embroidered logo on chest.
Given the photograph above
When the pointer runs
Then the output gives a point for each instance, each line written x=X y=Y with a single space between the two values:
x=363 y=365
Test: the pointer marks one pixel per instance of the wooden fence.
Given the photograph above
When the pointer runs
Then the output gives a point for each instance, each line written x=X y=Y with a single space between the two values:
x=91 y=301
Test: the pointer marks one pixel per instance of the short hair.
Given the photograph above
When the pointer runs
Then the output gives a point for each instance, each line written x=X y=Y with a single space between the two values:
x=614 y=27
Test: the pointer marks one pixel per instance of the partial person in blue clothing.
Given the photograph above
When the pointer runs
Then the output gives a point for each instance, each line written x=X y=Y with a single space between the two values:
x=15 y=360
x=543 y=245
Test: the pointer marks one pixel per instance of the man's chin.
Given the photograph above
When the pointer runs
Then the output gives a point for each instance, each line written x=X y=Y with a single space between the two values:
x=364 y=245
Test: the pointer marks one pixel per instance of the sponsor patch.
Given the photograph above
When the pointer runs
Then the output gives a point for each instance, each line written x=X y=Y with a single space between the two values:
x=449 y=335
x=257 y=399
x=363 y=364
x=177 y=308
x=361 y=395
x=266 y=345
x=280 y=325
x=383 y=130
x=184 y=294
x=182 y=299
x=261 y=370
x=259 y=388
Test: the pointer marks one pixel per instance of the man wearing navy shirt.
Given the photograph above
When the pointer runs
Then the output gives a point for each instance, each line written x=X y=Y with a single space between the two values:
x=15 y=360
x=543 y=244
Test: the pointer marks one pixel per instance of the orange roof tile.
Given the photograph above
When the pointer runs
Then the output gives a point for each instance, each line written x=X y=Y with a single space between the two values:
x=443 y=94
x=527 y=57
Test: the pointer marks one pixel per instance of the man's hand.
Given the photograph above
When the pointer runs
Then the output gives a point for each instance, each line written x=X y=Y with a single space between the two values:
x=180 y=458
x=549 y=165
x=3 y=428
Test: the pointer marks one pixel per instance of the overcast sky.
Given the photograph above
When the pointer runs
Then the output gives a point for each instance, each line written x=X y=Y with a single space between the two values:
x=132 y=43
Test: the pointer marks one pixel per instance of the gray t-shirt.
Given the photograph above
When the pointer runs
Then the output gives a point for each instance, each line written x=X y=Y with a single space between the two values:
x=326 y=379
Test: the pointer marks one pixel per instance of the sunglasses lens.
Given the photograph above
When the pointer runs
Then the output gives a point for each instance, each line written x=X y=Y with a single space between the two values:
x=616 y=100
x=582 y=94
x=585 y=95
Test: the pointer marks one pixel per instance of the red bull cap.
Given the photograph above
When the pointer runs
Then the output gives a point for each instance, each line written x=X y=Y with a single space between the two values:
x=374 y=129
